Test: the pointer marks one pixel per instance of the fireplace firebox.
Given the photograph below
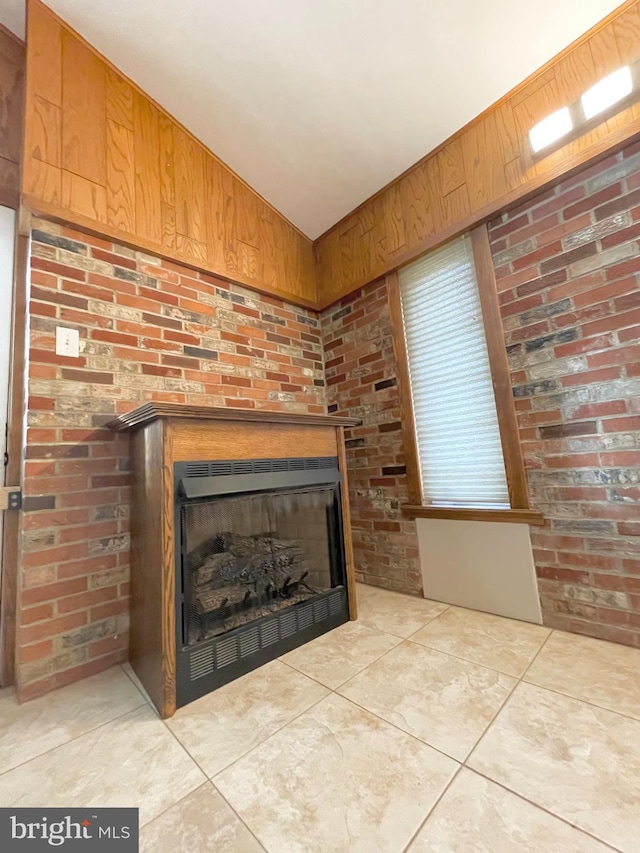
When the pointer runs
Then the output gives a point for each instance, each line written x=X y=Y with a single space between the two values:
x=260 y=564
x=240 y=541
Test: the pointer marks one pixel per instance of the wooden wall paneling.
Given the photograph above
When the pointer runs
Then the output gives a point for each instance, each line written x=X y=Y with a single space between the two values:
x=484 y=174
x=168 y=183
x=42 y=181
x=44 y=53
x=506 y=131
x=11 y=97
x=626 y=31
x=394 y=227
x=100 y=154
x=230 y=249
x=215 y=204
x=9 y=183
x=120 y=96
x=84 y=111
x=189 y=187
x=271 y=241
x=147 y=167
x=84 y=197
x=417 y=205
x=12 y=74
x=499 y=167
x=121 y=178
x=45 y=133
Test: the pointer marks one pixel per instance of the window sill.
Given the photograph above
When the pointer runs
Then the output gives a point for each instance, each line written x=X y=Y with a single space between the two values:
x=516 y=516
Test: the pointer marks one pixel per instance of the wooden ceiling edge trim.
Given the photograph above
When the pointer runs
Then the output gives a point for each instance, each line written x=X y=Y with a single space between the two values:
x=582 y=160
x=12 y=35
x=612 y=16
x=10 y=197
x=53 y=213
x=165 y=112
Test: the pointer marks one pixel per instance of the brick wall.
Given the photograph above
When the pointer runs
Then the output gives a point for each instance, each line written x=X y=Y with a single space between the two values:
x=568 y=269
x=149 y=330
x=361 y=382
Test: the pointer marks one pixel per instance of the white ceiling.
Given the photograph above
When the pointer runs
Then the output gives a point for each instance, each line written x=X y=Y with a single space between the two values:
x=319 y=103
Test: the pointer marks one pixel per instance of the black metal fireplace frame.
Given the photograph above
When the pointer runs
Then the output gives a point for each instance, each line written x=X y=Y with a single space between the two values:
x=207 y=665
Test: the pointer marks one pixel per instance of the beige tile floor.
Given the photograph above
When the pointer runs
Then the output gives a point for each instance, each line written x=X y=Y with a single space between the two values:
x=420 y=728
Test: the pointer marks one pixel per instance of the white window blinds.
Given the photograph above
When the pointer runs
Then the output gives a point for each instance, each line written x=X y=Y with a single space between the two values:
x=455 y=414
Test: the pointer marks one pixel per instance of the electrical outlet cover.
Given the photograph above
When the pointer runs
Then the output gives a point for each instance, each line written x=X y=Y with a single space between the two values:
x=67 y=342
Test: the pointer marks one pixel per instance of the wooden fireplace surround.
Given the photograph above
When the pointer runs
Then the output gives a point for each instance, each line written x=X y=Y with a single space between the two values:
x=163 y=433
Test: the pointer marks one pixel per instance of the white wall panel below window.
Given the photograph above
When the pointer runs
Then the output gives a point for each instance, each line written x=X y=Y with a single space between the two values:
x=481 y=565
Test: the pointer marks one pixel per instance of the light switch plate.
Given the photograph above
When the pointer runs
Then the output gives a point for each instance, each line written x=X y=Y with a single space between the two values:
x=67 y=342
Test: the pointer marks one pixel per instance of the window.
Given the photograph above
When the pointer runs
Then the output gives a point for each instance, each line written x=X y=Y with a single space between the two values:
x=459 y=421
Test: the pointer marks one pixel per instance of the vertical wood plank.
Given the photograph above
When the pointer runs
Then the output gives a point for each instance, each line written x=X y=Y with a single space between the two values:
x=84 y=197
x=84 y=111
x=120 y=189
x=214 y=205
x=189 y=187
x=45 y=137
x=43 y=182
x=147 y=169
x=12 y=68
x=44 y=53
x=119 y=99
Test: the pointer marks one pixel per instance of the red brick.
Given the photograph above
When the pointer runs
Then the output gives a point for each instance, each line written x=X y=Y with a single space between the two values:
x=52 y=627
x=588 y=377
x=37 y=651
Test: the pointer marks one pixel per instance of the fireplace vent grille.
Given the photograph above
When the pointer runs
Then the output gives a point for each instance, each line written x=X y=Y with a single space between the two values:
x=232 y=467
x=244 y=642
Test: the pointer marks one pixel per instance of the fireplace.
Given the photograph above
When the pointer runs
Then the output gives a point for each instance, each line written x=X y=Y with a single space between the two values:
x=260 y=564
x=240 y=542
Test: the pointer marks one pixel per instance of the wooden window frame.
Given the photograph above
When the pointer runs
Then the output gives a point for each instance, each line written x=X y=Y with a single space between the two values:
x=520 y=511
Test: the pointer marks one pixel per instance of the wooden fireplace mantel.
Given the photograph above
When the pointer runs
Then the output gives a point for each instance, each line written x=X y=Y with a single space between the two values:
x=152 y=411
x=163 y=434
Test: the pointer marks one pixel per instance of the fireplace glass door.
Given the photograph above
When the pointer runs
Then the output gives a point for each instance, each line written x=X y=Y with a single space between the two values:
x=247 y=556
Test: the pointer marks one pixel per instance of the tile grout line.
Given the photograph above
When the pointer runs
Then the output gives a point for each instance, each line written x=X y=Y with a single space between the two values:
x=503 y=704
x=74 y=738
x=208 y=781
x=543 y=809
x=557 y=692
x=510 y=790
x=433 y=808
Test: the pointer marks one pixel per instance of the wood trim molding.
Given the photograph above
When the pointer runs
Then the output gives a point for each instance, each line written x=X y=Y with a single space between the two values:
x=152 y=411
x=412 y=459
x=13 y=470
x=501 y=380
x=516 y=516
x=500 y=373
x=346 y=526
x=39 y=207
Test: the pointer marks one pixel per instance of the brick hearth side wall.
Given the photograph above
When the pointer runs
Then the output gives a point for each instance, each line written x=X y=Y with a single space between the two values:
x=149 y=330
x=361 y=382
x=568 y=269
